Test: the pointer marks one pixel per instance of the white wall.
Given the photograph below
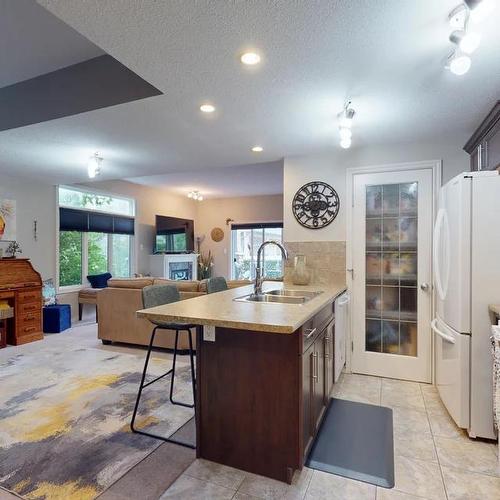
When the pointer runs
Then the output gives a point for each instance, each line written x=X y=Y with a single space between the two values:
x=33 y=201
x=331 y=168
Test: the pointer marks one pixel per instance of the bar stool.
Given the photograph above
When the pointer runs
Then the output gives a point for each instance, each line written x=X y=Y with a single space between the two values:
x=218 y=284
x=152 y=296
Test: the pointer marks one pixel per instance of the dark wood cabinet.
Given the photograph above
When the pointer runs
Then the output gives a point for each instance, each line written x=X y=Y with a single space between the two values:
x=484 y=144
x=329 y=359
x=261 y=396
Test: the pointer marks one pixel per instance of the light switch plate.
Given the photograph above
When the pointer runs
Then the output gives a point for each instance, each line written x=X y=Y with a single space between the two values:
x=209 y=333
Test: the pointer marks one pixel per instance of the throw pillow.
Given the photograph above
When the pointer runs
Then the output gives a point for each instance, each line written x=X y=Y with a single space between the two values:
x=99 y=280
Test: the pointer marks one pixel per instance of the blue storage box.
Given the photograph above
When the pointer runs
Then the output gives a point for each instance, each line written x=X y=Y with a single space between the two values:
x=56 y=318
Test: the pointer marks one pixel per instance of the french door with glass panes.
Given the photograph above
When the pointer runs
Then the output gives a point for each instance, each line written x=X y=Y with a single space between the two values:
x=391 y=257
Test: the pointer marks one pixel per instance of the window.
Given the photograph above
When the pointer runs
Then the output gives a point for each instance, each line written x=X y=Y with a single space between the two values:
x=246 y=239
x=95 y=235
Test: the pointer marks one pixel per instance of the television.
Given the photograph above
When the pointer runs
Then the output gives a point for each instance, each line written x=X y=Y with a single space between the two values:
x=174 y=235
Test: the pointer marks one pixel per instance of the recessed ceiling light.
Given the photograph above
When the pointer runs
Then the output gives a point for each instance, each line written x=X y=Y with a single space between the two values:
x=207 y=108
x=257 y=149
x=250 y=58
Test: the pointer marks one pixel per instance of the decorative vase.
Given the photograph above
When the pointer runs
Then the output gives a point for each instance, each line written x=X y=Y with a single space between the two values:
x=301 y=274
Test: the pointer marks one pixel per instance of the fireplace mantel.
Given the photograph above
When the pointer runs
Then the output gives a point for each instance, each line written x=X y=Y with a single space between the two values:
x=170 y=266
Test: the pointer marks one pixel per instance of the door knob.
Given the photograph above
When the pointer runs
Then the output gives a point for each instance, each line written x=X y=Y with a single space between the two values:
x=424 y=287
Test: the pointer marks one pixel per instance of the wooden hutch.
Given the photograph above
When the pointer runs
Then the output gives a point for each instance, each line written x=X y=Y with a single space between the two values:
x=21 y=286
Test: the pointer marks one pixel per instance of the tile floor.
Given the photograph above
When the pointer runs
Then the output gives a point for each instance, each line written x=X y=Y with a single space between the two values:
x=433 y=458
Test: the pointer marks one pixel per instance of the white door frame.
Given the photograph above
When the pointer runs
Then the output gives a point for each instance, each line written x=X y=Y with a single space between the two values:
x=436 y=167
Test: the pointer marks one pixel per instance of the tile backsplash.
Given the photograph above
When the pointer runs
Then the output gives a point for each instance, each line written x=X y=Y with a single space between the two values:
x=325 y=259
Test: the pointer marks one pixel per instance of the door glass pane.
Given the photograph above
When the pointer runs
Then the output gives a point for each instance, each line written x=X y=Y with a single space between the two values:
x=97 y=253
x=391 y=268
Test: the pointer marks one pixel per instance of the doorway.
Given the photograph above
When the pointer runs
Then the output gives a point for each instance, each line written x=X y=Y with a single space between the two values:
x=391 y=220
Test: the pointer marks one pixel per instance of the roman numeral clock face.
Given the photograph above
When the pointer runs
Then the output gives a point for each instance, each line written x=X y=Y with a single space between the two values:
x=315 y=205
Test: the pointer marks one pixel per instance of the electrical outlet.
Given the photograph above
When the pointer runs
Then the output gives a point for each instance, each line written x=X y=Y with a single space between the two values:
x=209 y=333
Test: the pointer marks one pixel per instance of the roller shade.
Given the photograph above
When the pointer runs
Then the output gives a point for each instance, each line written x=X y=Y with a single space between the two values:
x=71 y=219
x=260 y=225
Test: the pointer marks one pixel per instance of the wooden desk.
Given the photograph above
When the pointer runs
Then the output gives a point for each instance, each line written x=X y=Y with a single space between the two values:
x=21 y=286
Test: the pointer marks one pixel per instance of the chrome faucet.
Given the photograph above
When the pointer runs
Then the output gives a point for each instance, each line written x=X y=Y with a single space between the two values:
x=259 y=278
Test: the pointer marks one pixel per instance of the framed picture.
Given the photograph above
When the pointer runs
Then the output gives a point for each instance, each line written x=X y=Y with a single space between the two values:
x=7 y=220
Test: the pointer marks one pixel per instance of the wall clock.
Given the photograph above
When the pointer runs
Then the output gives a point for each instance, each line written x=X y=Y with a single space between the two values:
x=315 y=205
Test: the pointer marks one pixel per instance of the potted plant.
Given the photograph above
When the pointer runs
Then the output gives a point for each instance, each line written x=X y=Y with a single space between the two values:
x=205 y=264
x=13 y=249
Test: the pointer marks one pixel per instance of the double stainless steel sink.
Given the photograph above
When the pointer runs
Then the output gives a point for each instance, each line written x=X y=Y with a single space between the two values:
x=283 y=296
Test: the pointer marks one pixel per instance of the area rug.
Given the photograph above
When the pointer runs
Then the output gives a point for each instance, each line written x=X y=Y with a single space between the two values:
x=65 y=415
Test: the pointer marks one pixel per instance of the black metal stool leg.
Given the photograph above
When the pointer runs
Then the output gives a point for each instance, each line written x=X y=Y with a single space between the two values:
x=141 y=385
x=179 y=403
x=193 y=375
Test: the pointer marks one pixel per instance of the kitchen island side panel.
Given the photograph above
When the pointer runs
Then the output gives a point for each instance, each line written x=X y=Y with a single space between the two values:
x=250 y=401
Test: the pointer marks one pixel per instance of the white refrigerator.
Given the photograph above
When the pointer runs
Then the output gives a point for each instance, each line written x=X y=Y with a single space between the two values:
x=466 y=279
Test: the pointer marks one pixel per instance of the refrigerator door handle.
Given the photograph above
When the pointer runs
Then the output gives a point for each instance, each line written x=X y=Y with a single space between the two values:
x=444 y=336
x=441 y=222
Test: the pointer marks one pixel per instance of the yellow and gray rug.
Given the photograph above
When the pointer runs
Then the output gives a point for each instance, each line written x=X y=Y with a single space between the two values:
x=65 y=414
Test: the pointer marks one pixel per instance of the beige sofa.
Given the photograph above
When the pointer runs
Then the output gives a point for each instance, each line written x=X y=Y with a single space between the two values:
x=118 y=303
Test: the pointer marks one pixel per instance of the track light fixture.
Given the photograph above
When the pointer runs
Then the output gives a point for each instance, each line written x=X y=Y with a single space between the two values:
x=466 y=40
x=94 y=166
x=345 y=118
x=195 y=195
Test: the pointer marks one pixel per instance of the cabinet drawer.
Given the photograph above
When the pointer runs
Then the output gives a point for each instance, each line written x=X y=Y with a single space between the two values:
x=311 y=329
x=29 y=319
x=29 y=307
x=29 y=296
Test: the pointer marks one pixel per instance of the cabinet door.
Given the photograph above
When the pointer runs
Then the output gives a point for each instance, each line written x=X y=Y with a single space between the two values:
x=318 y=379
x=329 y=360
x=307 y=391
x=493 y=149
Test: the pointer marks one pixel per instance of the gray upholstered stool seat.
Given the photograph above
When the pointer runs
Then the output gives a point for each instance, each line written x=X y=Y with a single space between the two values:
x=218 y=284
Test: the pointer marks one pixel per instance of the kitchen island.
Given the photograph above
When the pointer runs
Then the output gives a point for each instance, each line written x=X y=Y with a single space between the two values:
x=264 y=374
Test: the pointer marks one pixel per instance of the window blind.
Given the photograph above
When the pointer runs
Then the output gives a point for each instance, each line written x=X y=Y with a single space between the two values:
x=71 y=219
x=260 y=225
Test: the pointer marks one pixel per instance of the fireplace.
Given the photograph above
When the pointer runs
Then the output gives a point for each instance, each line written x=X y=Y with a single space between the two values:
x=180 y=266
x=180 y=270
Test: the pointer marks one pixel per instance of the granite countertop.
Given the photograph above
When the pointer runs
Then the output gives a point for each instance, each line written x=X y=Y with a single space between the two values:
x=219 y=309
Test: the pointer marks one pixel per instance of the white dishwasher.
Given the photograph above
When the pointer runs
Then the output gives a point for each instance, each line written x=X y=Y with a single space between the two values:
x=342 y=325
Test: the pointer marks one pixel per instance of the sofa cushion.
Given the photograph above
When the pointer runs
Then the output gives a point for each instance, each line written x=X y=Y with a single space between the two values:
x=99 y=280
x=130 y=282
x=88 y=295
x=181 y=285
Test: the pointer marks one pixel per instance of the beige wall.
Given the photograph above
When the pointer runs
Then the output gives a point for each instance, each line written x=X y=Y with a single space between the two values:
x=213 y=213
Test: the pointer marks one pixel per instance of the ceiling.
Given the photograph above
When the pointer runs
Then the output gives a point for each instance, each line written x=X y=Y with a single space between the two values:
x=246 y=180
x=34 y=42
x=388 y=59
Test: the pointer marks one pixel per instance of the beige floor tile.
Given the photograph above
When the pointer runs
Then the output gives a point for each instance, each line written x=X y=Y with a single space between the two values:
x=444 y=426
x=462 y=485
x=324 y=486
x=244 y=496
x=190 y=488
x=6 y=495
x=360 y=388
x=402 y=393
x=386 y=494
x=408 y=420
x=415 y=445
x=467 y=454
x=418 y=477
x=216 y=473
x=270 y=489
x=432 y=401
